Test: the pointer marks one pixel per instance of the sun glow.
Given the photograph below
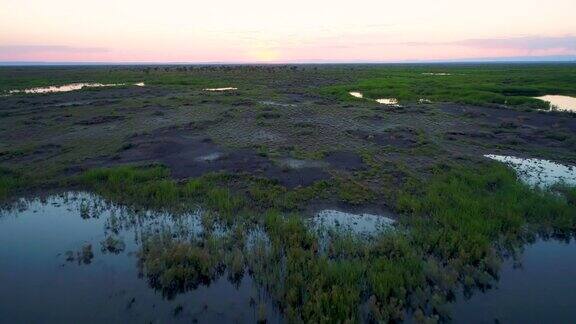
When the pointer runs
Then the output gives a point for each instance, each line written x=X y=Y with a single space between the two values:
x=304 y=31
x=265 y=55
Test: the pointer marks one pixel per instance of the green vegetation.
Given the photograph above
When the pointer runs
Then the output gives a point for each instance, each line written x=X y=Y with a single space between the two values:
x=454 y=228
x=511 y=85
x=457 y=213
x=10 y=182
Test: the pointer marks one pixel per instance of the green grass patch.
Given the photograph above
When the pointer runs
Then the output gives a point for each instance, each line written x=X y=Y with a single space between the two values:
x=512 y=85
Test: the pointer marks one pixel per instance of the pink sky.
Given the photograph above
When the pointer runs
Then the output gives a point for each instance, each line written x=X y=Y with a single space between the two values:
x=287 y=31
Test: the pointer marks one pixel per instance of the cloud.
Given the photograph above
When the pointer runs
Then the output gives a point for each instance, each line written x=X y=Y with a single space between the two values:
x=524 y=43
x=29 y=49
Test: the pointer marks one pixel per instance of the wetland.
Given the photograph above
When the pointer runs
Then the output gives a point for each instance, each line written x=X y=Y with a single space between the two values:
x=287 y=193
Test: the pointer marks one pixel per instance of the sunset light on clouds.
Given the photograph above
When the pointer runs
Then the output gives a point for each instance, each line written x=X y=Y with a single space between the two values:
x=288 y=31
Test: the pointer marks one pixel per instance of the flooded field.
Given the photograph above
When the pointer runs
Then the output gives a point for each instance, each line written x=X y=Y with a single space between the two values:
x=358 y=224
x=317 y=193
x=74 y=258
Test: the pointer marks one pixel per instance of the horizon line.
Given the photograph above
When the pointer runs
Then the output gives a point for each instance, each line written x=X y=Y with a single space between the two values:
x=516 y=59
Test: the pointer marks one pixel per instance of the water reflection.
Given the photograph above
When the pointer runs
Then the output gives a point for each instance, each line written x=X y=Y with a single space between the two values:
x=359 y=224
x=538 y=172
x=75 y=257
x=70 y=87
x=356 y=94
x=538 y=288
x=220 y=89
x=561 y=103
x=388 y=101
x=436 y=73
x=385 y=101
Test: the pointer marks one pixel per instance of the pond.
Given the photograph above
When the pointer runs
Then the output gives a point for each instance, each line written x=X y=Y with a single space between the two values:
x=537 y=288
x=73 y=258
x=538 y=172
x=393 y=102
x=70 y=87
x=363 y=224
x=561 y=103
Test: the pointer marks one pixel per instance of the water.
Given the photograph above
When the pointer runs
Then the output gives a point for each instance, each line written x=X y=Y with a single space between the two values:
x=358 y=224
x=538 y=172
x=562 y=103
x=291 y=163
x=542 y=290
x=356 y=94
x=388 y=101
x=436 y=73
x=48 y=273
x=277 y=104
x=385 y=101
x=74 y=258
x=70 y=87
x=220 y=89
x=210 y=157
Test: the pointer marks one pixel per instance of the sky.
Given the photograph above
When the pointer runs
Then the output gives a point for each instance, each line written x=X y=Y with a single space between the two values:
x=268 y=31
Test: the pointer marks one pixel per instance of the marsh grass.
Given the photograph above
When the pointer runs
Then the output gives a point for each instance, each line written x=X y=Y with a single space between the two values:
x=10 y=182
x=471 y=84
x=463 y=211
x=455 y=226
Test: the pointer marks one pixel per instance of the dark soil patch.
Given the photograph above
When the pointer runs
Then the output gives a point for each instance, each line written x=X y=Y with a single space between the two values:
x=188 y=155
x=510 y=118
x=100 y=120
x=401 y=137
x=345 y=160
x=39 y=153
x=513 y=128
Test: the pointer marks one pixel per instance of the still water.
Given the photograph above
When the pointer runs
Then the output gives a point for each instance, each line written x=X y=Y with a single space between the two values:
x=562 y=103
x=540 y=287
x=538 y=172
x=71 y=87
x=54 y=267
